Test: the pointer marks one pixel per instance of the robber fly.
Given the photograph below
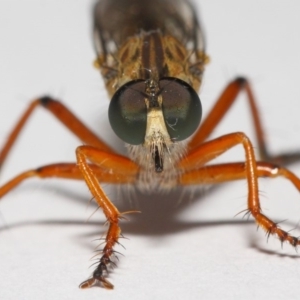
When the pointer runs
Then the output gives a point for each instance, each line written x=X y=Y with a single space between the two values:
x=151 y=55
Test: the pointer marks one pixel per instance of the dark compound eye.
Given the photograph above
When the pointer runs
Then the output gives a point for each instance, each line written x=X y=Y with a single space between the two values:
x=128 y=112
x=181 y=107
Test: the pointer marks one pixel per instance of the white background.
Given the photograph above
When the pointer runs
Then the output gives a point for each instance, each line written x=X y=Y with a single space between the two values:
x=191 y=247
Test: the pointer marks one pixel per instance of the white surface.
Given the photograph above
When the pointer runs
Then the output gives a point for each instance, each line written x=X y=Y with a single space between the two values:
x=193 y=250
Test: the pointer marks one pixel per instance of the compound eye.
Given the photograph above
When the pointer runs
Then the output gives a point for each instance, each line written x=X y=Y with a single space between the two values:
x=181 y=108
x=127 y=112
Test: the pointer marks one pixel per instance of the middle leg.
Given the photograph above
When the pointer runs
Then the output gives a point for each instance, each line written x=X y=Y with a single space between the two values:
x=194 y=171
x=105 y=167
x=234 y=171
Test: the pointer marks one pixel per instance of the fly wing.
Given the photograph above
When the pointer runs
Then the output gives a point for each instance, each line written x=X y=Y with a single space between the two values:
x=117 y=20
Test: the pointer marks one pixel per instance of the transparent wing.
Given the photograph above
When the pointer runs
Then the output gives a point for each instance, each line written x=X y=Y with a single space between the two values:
x=116 y=20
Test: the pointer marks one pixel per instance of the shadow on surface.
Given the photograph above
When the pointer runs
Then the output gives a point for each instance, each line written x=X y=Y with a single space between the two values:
x=158 y=217
x=156 y=214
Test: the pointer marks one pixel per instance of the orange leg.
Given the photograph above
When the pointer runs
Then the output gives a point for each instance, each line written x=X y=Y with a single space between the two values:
x=194 y=172
x=222 y=106
x=235 y=171
x=94 y=155
x=106 y=167
x=64 y=115
x=68 y=171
